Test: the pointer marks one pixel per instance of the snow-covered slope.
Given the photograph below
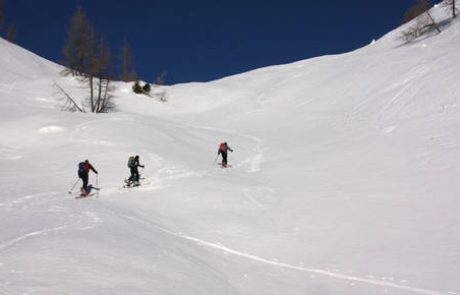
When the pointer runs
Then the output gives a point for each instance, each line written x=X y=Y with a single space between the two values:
x=344 y=179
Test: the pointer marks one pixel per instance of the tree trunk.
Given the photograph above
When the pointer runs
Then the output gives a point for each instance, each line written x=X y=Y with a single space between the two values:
x=92 y=92
x=106 y=92
x=99 y=96
x=454 y=13
x=433 y=22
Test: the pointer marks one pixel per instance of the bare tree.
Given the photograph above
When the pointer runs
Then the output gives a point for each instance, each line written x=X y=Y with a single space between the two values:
x=159 y=92
x=424 y=22
x=451 y=5
x=426 y=5
x=69 y=103
x=106 y=103
x=102 y=71
x=11 y=34
x=90 y=60
x=412 y=12
x=127 y=64
x=98 y=76
x=10 y=31
x=2 y=17
x=80 y=40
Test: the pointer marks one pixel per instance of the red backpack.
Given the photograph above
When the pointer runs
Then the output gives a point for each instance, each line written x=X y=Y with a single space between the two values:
x=222 y=147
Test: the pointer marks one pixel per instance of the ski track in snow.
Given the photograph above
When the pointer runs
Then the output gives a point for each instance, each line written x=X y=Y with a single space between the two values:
x=24 y=200
x=401 y=87
x=254 y=165
x=311 y=271
x=76 y=134
x=3 y=290
x=305 y=269
x=12 y=242
x=253 y=162
x=161 y=179
x=253 y=193
x=250 y=196
x=12 y=158
x=85 y=219
x=81 y=224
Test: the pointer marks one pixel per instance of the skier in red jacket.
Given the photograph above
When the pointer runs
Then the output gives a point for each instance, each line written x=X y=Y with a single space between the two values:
x=223 y=148
x=83 y=171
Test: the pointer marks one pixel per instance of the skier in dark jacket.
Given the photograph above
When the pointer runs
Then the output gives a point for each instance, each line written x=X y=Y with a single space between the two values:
x=83 y=171
x=223 y=149
x=133 y=163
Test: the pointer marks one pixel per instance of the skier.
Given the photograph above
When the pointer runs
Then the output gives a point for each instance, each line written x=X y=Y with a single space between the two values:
x=133 y=163
x=223 y=148
x=83 y=171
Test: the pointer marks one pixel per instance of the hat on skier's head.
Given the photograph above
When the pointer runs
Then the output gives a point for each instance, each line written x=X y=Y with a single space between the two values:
x=137 y=157
x=86 y=161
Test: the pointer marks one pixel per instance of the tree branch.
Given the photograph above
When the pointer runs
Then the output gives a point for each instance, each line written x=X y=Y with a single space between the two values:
x=68 y=97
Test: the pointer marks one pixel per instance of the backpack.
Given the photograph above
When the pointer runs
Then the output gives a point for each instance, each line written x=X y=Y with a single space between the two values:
x=222 y=147
x=131 y=162
x=81 y=169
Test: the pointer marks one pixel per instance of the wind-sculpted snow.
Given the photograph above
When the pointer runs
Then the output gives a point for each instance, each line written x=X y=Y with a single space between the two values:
x=343 y=179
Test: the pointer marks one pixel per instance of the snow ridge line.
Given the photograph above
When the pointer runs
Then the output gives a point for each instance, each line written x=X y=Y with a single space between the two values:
x=290 y=266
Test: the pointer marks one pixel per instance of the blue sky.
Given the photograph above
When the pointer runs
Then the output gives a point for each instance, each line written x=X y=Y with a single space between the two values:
x=204 y=40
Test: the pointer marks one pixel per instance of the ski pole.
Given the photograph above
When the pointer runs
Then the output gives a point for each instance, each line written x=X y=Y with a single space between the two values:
x=73 y=186
x=215 y=159
x=97 y=184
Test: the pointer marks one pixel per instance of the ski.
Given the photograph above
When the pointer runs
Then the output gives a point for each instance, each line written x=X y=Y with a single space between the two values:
x=130 y=184
x=222 y=166
x=88 y=193
x=85 y=196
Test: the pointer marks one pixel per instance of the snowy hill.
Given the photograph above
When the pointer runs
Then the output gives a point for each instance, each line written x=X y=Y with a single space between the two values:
x=343 y=180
